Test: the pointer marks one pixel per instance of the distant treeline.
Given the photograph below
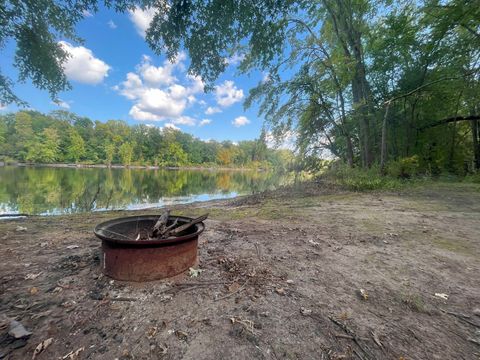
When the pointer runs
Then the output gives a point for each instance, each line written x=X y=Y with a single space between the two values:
x=63 y=137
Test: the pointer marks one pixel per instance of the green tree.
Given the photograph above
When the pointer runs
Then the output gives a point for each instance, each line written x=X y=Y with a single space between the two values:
x=359 y=72
x=57 y=137
x=126 y=153
x=24 y=135
x=45 y=148
x=109 y=153
x=3 y=134
x=36 y=27
x=76 y=148
x=173 y=155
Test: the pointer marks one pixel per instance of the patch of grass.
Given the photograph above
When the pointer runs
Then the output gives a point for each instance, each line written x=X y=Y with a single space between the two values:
x=474 y=178
x=358 y=179
x=457 y=246
x=414 y=302
x=372 y=226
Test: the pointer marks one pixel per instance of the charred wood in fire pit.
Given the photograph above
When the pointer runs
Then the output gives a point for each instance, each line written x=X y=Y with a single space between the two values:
x=186 y=226
x=161 y=231
x=160 y=225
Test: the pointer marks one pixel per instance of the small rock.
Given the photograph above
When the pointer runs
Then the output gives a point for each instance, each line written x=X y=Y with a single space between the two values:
x=280 y=291
x=19 y=343
x=476 y=311
x=289 y=281
x=32 y=276
x=33 y=291
x=441 y=295
x=181 y=335
x=363 y=294
x=118 y=338
x=17 y=330
x=194 y=272
x=305 y=311
x=21 y=228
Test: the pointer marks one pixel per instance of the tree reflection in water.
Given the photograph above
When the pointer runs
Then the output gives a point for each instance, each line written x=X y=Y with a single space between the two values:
x=44 y=190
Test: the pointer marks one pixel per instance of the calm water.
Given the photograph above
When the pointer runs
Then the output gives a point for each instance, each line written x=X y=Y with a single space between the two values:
x=53 y=191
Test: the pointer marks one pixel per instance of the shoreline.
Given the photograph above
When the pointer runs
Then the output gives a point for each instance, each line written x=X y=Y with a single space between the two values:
x=135 y=167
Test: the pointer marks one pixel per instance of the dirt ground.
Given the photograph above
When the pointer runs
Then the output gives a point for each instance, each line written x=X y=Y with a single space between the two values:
x=281 y=279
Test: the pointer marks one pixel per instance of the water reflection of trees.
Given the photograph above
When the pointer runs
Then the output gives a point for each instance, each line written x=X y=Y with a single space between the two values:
x=63 y=190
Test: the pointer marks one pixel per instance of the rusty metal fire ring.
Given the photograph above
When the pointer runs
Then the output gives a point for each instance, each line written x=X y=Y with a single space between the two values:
x=124 y=258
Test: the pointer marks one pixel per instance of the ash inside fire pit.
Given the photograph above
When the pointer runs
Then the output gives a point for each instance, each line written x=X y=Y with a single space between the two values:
x=134 y=251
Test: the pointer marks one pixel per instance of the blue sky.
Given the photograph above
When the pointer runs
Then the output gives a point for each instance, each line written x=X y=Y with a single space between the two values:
x=115 y=75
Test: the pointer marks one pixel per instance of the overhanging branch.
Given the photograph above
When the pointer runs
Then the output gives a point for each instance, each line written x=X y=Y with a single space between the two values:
x=450 y=120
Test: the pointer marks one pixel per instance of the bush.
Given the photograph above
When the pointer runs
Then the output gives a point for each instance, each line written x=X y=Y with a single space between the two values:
x=358 y=179
x=473 y=178
x=405 y=168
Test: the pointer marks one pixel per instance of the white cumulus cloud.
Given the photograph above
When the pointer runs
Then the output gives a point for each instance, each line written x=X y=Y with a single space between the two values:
x=157 y=93
x=212 y=110
x=170 y=126
x=83 y=66
x=160 y=75
x=228 y=94
x=204 y=122
x=184 y=120
x=112 y=25
x=61 y=103
x=142 y=19
x=287 y=141
x=240 y=121
x=235 y=59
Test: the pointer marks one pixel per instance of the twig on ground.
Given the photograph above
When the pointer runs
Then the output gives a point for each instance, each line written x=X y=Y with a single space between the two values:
x=241 y=288
x=247 y=324
x=355 y=338
x=202 y=283
x=376 y=339
x=474 y=341
x=259 y=252
x=344 y=336
x=122 y=299
x=462 y=317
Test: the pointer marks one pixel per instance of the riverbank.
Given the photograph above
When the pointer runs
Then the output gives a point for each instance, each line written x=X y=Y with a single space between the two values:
x=148 y=167
x=282 y=274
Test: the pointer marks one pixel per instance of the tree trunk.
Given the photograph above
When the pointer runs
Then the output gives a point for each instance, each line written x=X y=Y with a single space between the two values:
x=349 y=151
x=476 y=143
x=451 y=154
x=349 y=36
x=383 y=155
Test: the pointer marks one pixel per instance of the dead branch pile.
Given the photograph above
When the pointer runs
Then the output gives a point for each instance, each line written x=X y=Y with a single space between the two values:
x=163 y=230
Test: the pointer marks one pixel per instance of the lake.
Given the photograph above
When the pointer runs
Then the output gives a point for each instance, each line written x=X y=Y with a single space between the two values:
x=54 y=191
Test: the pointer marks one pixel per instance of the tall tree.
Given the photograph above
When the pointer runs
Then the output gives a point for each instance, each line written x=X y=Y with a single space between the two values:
x=76 y=148
x=125 y=152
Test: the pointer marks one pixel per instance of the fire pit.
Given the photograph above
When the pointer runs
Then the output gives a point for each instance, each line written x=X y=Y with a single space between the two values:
x=126 y=258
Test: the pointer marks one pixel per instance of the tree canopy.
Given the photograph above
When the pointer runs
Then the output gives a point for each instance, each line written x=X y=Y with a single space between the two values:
x=36 y=27
x=366 y=80
x=63 y=137
x=370 y=81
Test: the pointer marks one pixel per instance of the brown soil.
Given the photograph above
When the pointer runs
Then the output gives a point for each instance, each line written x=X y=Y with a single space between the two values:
x=292 y=264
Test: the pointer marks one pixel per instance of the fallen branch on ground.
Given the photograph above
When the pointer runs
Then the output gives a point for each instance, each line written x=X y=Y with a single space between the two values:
x=355 y=338
x=241 y=288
